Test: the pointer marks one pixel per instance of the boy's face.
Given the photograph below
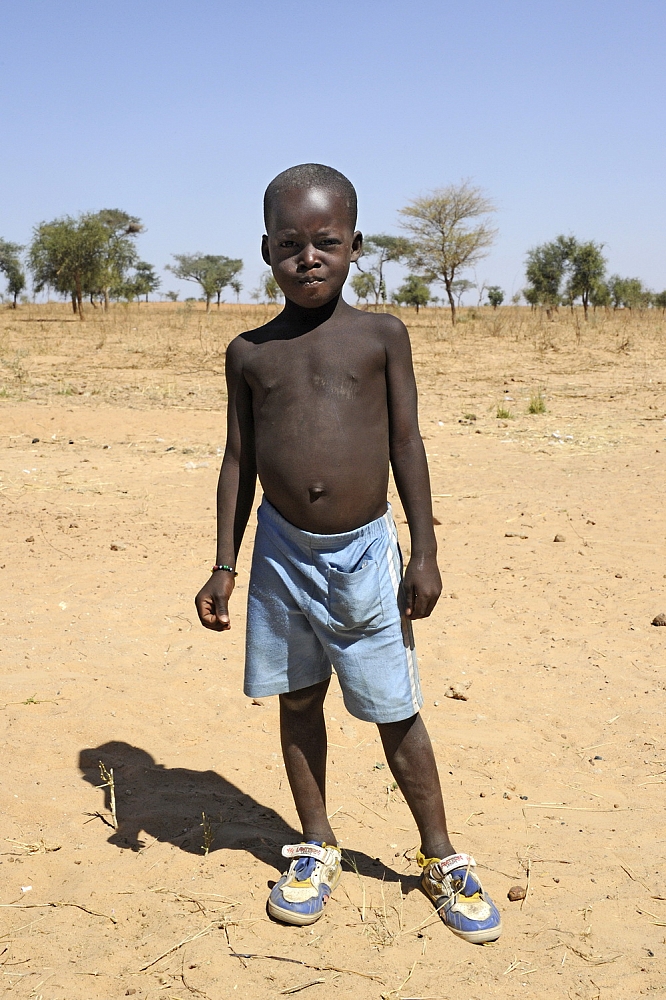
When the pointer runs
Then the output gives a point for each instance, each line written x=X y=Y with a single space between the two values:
x=310 y=245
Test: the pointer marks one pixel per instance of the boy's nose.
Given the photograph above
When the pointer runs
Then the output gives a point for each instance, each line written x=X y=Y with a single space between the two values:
x=308 y=258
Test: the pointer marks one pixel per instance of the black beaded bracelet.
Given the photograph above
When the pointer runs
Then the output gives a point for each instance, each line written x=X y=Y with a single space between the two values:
x=229 y=569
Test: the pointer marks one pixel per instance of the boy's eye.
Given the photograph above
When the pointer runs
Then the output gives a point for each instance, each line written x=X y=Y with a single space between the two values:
x=329 y=242
x=287 y=243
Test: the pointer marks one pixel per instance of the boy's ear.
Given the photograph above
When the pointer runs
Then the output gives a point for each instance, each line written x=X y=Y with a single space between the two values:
x=264 y=250
x=357 y=246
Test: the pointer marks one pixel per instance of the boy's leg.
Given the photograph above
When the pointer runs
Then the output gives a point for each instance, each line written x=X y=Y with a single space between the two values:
x=300 y=895
x=447 y=879
x=412 y=761
x=303 y=736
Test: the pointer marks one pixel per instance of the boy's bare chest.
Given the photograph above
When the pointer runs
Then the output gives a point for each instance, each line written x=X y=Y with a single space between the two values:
x=283 y=371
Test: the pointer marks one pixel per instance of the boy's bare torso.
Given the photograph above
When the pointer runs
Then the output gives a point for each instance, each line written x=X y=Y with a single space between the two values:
x=320 y=419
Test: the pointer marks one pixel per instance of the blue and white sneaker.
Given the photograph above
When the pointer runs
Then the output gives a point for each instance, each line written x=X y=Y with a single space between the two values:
x=301 y=894
x=459 y=897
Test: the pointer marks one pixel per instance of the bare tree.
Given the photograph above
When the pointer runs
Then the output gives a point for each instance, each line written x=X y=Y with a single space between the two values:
x=450 y=231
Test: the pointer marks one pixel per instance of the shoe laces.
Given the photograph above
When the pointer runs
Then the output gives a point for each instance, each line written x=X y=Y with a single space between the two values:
x=459 y=881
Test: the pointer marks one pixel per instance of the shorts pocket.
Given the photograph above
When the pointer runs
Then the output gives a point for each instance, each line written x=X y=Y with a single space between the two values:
x=354 y=599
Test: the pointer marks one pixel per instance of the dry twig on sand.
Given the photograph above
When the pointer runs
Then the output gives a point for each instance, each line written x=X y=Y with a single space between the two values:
x=308 y=965
x=170 y=951
x=208 y=835
x=56 y=904
x=109 y=782
x=593 y=959
x=303 y=986
x=41 y=847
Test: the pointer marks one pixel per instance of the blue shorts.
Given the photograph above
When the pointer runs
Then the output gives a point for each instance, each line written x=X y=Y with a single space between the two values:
x=318 y=602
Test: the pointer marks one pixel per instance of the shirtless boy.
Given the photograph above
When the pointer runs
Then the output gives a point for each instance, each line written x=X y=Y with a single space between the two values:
x=321 y=400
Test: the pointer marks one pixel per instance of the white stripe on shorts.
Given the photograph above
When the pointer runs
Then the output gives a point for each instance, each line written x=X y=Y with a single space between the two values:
x=394 y=562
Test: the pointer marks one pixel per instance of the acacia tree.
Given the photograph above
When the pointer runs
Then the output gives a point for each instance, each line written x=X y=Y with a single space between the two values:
x=546 y=265
x=11 y=267
x=587 y=266
x=581 y=265
x=133 y=286
x=378 y=251
x=145 y=279
x=86 y=255
x=495 y=296
x=270 y=288
x=450 y=231
x=628 y=293
x=413 y=292
x=212 y=272
x=119 y=253
x=459 y=287
x=600 y=296
x=68 y=256
x=363 y=286
x=531 y=296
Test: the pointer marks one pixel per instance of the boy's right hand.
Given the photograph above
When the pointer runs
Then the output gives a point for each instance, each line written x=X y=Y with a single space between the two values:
x=212 y=601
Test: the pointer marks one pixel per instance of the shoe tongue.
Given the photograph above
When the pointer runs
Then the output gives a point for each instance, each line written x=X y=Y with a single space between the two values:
x=305 y=866
x=470 y=885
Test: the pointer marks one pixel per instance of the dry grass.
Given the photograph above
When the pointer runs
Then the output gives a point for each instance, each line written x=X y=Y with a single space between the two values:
x=172 y=354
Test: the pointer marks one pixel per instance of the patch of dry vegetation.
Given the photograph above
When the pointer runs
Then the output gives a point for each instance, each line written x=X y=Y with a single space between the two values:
x=172 y=354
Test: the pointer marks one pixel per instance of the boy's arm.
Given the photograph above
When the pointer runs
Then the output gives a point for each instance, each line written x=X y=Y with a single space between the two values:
x=422 y=582
x=235 y=494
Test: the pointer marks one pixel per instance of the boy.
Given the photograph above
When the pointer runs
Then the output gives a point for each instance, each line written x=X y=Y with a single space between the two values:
x=320 y=400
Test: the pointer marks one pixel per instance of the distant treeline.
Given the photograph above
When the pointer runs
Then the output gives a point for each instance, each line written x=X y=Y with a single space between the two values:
x=93 y=258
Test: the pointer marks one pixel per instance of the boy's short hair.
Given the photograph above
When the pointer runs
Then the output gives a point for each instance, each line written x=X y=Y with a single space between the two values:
x=311 y=175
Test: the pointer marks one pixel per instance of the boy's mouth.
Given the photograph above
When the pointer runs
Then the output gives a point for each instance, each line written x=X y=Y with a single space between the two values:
x=311 y=281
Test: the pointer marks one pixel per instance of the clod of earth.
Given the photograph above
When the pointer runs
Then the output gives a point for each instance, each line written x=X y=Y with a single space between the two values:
x=660 y=619
x=559 y=538
x=514 y=534
x=457 y=691
x=516 y=892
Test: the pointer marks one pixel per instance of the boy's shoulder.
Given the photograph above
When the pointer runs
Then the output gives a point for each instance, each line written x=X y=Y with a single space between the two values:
x=243 y=342
x=380 y=322
x=383 y=327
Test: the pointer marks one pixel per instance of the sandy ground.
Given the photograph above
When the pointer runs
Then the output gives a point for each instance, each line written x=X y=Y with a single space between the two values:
x=553 y=767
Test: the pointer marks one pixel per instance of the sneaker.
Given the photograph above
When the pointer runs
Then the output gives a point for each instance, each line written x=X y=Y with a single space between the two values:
x=459 y=897
x=301 y=894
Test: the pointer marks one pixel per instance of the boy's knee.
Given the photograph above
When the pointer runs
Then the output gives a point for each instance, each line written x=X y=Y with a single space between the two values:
x=305 y=699
x=403 y=726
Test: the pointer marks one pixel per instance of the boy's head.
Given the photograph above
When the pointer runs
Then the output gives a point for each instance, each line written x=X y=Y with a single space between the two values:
x=308 y=176
x=310 y=214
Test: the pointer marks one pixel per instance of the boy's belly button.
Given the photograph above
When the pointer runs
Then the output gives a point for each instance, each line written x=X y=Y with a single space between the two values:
x=316 y=492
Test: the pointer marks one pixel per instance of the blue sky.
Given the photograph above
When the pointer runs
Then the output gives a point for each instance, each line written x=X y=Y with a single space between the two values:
x=181 y=113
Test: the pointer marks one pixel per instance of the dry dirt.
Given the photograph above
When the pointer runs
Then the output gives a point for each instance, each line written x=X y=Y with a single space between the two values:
x=553 y=768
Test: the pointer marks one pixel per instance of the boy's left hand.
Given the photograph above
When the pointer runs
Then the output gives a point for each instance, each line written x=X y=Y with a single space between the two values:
x=422 y=585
